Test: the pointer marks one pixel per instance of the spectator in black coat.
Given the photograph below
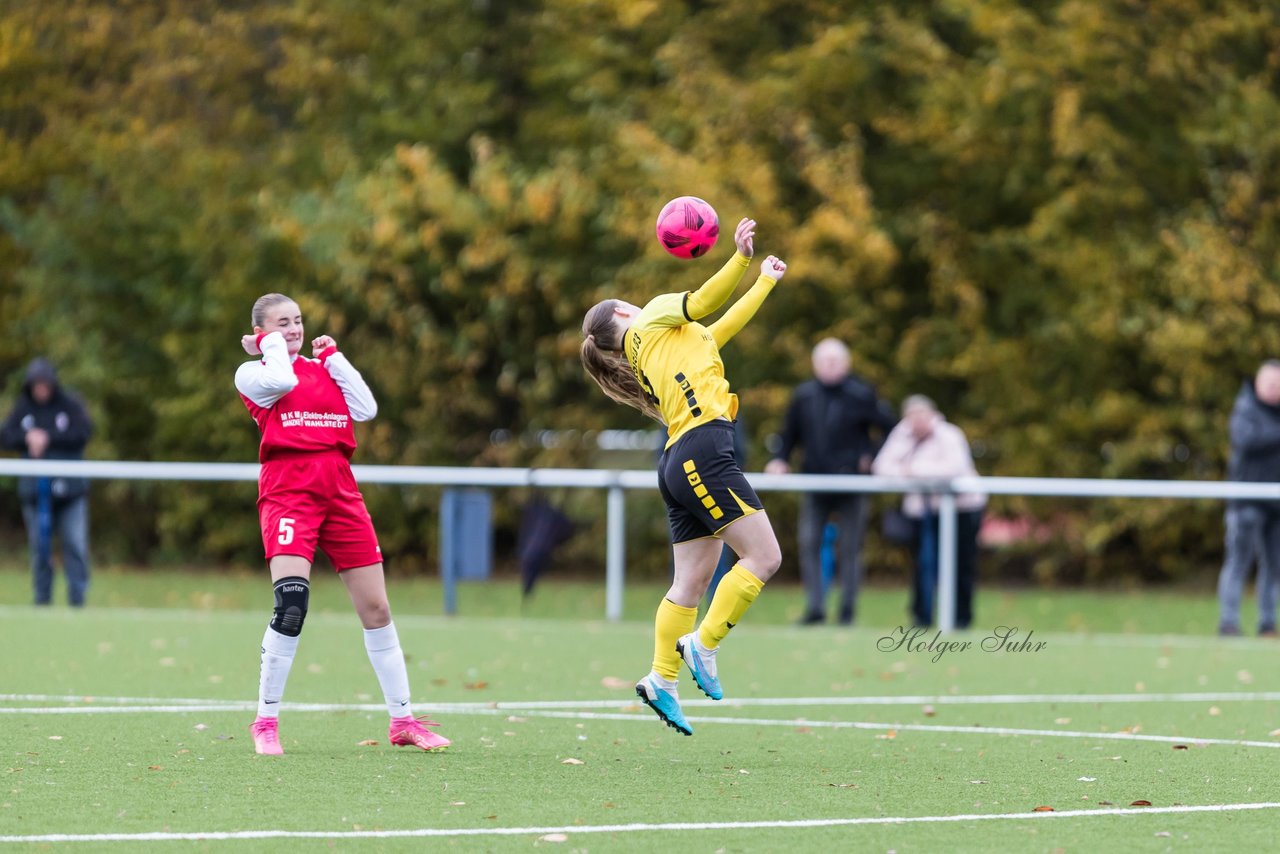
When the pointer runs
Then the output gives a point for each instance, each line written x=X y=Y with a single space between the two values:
x=48 y=422
x=832 y=417
x=1253 y=527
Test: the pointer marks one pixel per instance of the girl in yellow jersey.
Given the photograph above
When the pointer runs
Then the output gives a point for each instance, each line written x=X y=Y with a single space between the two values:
x=662 y=361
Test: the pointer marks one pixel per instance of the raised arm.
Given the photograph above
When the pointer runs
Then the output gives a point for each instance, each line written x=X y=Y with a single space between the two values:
x=266 y=381
x=745 y=308
x=717 y=289
x=354 y=389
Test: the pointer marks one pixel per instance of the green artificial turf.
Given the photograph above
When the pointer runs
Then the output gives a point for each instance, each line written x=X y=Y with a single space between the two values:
x=154 y=766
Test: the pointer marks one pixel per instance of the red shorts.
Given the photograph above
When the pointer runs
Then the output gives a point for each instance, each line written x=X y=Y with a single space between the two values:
x=311 y=501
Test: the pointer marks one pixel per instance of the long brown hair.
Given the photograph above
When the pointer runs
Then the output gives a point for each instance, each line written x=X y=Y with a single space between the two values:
x=602 y=357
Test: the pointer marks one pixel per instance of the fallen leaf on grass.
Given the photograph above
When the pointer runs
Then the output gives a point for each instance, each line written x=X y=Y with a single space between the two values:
x=457 y=803
x=201 y=727
x=928 y=711
x=475 y=686
x=1214 y=711
x=55 y=738
x=571 y=761
x=1086 y=779
x=554 y=837
x=1163 y=833
x=1043 y=809
x=613 y=683
x=1140 y=804
x=1105 y=804
x=155 y=767
x=516 y=719
x=1275 y=733
x=368 y=742
x=843 y=785
x=891 y=734
x=979 y=782
x=1181 y=747
x=804 y=730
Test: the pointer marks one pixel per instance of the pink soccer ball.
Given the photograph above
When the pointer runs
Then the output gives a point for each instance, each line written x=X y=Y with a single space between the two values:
x=688 y=227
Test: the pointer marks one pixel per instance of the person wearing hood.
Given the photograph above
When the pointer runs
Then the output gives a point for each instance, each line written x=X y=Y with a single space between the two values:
x=1253 y=527
x=49 y=422
x=832 y=418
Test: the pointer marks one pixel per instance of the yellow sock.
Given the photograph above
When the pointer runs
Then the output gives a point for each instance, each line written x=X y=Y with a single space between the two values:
x=737 y=590
x=671 y=622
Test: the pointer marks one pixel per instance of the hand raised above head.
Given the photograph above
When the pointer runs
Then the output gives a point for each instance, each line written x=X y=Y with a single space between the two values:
x=744 y=235
x=773 y=267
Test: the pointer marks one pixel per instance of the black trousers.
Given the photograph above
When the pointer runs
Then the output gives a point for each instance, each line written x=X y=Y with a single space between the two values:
x=850 y=514
x=925 y=587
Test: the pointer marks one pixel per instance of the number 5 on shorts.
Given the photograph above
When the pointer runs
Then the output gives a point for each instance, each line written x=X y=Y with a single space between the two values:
x=286 y=531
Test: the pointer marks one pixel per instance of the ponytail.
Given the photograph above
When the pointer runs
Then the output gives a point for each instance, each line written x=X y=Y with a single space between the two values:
x=603 y=359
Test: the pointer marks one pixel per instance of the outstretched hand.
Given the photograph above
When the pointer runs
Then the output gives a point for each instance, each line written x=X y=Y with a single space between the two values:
x=773 y=267
x=744 y=235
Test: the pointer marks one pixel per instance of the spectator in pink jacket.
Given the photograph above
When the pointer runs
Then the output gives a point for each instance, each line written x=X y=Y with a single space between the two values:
x=926 y=445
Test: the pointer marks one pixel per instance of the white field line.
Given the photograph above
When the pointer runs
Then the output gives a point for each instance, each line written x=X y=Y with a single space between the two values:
x=572 y=830
x=633 y=717
x=869 y=725
x=444 y=623
x=88 y=701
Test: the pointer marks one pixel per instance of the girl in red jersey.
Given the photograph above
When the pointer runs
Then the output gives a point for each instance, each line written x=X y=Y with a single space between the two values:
x=308 y=498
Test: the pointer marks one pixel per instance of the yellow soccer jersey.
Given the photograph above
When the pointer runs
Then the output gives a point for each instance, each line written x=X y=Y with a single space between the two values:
x=677 y=359
x=678 y=364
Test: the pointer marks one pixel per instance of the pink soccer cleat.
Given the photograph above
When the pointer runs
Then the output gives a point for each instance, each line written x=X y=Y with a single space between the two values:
x=266 y=736
x=413 y=732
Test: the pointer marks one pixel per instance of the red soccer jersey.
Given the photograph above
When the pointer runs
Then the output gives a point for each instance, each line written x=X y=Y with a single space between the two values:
x=313 y=417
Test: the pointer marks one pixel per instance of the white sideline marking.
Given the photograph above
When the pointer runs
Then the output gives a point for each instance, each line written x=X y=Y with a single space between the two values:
x=476 y=709
x=622 y=828
x=889 y=700
x=869 y=725
x=444 y=623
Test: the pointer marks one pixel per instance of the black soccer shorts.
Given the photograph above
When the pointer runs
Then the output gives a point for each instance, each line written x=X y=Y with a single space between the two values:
x=702 y=485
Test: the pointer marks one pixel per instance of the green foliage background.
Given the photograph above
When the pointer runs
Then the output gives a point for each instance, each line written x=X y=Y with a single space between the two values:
x=1058 y=219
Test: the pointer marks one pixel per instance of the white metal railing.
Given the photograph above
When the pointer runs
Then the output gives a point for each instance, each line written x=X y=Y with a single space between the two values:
x=616 y=482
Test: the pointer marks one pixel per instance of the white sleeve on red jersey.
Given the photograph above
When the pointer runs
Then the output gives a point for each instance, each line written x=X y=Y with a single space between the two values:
x=271 y=378
x=359 y=398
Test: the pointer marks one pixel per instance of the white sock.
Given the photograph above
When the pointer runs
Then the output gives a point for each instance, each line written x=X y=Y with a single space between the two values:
x=662 y=681
x=383 y=646
x=702 y=650
x=277 y=657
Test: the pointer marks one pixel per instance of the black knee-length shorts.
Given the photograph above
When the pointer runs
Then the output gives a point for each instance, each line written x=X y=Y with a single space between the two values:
x=702 y=485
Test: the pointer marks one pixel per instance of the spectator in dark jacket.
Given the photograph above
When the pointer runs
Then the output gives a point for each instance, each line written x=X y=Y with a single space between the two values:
x=832 y=418
x=50 y=423
x=1253 y=527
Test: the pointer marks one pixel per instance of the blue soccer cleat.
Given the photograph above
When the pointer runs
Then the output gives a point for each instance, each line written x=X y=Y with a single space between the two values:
x=664 y=702
x=702 y=663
